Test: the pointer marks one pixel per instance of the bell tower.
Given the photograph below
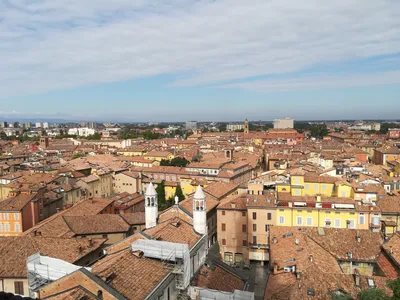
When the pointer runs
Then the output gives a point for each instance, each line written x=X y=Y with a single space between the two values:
x=246 y=126
x=151 y=206
x=199 y=211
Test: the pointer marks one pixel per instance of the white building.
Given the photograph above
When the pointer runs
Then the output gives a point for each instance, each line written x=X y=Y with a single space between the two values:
x=191 y=125
x=233 y=127
x=38 y=125
x=45 y=125
x=283 y=123
x=85 y=131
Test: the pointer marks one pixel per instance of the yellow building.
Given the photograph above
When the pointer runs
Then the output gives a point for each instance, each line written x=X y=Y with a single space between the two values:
x=311 y=185
x=329 y=212
x=159 y=155
x=131 y=152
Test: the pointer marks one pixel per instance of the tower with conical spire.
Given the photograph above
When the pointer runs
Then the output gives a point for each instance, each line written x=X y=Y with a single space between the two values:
x=199 y=211
x=151 y=206
x=246 y=126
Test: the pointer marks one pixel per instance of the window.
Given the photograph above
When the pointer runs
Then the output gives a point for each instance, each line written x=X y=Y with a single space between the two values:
x=223 y=242
x=328 y=223
x=337 y=223
x=254 y=227
x=361 y=220
x=299 y=221
x=267 y=228
x=323 y=187
x=16 y=216
x=223 y=213
x=309 y=221
x=105 y=236
x=244 y=228
x=254 y=216
x=17 y=227
x=1 y=227
x=6 y=227
x=269 y=216
x=350 y=224
x=297 y=192
x=244 y=243
x=223 y=227
x=281 y=220
x=243 y=213
x=316 y=187
x=307 y=186
x=254 y=240
x=19 y=287
x=343 y=194
x=6 y=216
x=228 y=256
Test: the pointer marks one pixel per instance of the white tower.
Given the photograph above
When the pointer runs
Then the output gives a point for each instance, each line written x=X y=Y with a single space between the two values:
x=199 y=211
x=150 y=206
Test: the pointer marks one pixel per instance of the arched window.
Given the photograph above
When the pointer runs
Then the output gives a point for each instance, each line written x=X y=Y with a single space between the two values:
x=148 y=201
x=152 y=201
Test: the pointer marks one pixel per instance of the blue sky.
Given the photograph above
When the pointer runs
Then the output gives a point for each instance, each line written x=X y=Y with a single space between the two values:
x=205 y=60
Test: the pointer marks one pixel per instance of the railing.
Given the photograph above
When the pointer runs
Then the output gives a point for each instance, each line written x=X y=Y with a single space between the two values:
x=258 y=246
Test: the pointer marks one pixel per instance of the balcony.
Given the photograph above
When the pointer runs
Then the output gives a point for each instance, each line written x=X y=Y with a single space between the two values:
x=258 y=246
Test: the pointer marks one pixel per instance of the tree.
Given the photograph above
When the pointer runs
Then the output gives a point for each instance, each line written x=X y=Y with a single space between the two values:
x=162 y=201
x=179 y=162
x=95 y=136
x=319 y=130
x=394 y=285
x=341 y=296
x=373 y=294
x=165 y=162
x=78 y=155
x=179 y=193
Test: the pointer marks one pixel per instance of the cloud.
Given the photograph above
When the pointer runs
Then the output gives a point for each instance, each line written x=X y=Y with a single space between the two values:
x=319 y=81
x=50 y=45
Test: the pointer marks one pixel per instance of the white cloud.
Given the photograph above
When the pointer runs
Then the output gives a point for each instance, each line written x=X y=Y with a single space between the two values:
x=48 y=45
x=320 y=81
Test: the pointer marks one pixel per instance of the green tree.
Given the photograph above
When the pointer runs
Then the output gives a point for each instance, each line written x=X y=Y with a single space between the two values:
x=179 y=193
x=162 y=201
x=78 y=155
x=165 y=162
x=340 y=297
x=373 y=294
x=394 y=285
x=179 y=162
x=319 y=130
x=149 y=135
x=385 y=127
x=95 y=136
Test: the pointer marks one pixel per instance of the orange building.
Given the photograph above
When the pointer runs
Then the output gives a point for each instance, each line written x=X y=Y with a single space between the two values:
x=20 y=213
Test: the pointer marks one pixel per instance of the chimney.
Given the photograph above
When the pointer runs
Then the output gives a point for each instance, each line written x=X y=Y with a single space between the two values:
x=176 y=200
x=100 y=294
x=298 y=275
x=356 y=278
x=390 y=250
x=358 y=237
x=311 y=258
x=274 y=240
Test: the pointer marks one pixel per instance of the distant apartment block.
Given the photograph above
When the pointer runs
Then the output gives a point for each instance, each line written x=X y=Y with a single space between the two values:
x=283 y=123
x=85 y=132
x=394 y=133
x=234 y=127
x=191 y=125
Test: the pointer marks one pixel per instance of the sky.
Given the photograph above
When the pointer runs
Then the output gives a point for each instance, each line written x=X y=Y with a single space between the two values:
x=206 y=60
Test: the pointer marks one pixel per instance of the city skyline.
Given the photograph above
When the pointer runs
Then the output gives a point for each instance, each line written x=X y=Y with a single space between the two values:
x=134 y=61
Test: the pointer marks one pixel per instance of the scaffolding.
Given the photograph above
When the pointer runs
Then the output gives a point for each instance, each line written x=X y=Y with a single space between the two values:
x=43 y=270
x=173 y=255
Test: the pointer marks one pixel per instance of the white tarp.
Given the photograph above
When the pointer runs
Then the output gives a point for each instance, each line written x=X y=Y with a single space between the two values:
x=166 y=251
x=50 y=268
